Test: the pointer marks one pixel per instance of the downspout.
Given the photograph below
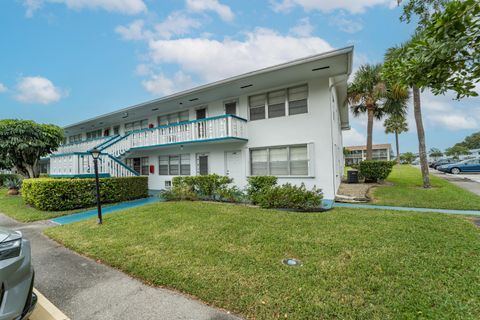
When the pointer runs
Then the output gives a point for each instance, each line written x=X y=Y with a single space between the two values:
x=331 y=134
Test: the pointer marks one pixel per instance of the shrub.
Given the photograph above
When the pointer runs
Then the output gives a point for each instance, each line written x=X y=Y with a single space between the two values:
x=231 y=194
x=6 y=176
x=258 y=185
x=205 y=187
x=179 y=192
x=66 y=194
x=13 y=183
x=290 y=196
x=374 y=170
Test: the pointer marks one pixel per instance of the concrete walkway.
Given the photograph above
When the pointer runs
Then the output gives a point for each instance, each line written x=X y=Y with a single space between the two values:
x=85 y=290
x=469 y=182
x=106 y=210
x=372 y=206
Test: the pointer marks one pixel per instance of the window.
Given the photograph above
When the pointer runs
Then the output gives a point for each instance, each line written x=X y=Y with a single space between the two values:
x=201 y=113
x=140 y=165
x=202 y=164
x=294 y=99
x=280 y=161
x=75 y=138
x=173 y=118
x=94 y=134
x=116 y=130
x=297 y=100
x=174 y=165
x=257 y=107
x=136 y=125
x=276 y=104
x=231 y=107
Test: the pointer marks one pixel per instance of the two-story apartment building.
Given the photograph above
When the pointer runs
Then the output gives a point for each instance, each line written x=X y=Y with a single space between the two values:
x=356 y=154
x=285 y=120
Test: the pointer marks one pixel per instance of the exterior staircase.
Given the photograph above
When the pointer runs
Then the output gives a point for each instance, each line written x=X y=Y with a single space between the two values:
x=75 y=160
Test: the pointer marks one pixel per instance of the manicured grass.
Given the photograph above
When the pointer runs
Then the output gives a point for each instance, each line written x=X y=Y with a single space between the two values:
x=407 y=191
x=15 y=207
x=357 y=264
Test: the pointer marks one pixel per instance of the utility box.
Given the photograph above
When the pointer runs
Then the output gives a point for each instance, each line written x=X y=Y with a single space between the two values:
x=352 y=176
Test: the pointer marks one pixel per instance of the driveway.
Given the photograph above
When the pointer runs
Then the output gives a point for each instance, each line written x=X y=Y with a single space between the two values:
x=84 y=289
x=467 y=181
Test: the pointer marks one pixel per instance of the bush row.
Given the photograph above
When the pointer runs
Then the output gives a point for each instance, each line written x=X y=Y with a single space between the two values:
x=375 y=170
x=66 y=194
x=261 y=190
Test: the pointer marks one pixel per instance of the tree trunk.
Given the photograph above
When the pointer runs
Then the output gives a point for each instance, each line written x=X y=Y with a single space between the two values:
x=30 y=171
x=398 y=147
x=422 y=150
x=369 y=132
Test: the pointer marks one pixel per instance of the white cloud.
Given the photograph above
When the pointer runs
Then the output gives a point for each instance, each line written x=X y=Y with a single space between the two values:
x=353 y=138
x=175 y=24
x=453 y=122
x=133 y=31
x=3 y=88
x=353 y=6
x=222 y=10
x=162 y=85
x=121 y=6
x=213 y=59
x=303 y=29
x=38 y=90
x=345 y=24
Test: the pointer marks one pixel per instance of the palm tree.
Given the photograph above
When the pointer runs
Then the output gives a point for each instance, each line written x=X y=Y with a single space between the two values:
x=365 y=95
x=396 y=124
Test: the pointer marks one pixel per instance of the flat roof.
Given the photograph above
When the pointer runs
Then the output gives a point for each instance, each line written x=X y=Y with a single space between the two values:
x=328 y=64
x=375 y=147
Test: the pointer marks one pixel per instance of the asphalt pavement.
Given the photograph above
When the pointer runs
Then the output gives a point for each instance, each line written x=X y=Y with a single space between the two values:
x=85 y=289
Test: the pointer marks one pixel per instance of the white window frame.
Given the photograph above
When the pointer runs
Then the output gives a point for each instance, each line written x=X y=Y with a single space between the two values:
x=287 y=109
x=310 y=159
x=179 y=165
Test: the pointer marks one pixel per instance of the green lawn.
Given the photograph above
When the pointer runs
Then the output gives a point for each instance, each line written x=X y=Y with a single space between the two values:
x=407 y=191
x=15 y=207
x=357 y=264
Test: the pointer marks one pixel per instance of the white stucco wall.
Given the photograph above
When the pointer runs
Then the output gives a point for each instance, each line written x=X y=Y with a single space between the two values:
x=319 y=128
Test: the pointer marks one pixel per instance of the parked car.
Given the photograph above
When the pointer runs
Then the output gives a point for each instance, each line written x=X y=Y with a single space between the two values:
x=17 y=299
x=442 y=162
x=470 y=165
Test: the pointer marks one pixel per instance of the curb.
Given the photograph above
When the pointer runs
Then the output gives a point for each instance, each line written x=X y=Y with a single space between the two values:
x=45 y=310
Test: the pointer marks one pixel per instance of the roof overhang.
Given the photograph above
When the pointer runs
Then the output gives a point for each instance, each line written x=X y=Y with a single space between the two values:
x=336 y=64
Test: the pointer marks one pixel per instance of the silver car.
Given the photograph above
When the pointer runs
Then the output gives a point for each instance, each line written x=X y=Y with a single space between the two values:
x=17 y=299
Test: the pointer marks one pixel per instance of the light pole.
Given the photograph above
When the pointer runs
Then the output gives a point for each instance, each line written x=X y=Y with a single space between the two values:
x=95 y=155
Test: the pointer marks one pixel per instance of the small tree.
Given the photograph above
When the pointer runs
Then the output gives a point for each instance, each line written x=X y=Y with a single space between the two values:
x=435 y=153
x=408 y=157
x=457 y=151
x=396 y=124
x=24 y=142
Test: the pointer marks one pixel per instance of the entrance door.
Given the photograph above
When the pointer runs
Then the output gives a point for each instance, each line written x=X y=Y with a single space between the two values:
x=202 y=164
x=201 y=113
x=233 y=165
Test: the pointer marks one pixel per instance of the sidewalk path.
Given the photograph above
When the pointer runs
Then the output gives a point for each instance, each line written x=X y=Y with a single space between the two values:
x=113 y=208
x=86 y=290
x=371 y=206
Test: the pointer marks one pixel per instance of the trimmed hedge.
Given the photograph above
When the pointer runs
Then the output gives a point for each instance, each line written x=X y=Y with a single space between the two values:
x=51 y=194
x=206 y=187
x=375 y=170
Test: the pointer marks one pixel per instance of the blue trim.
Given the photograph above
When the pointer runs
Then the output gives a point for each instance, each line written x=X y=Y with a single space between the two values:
x=187 y=122
x=83 y=141
x=188 y=142
x=69 y=154
x=113 y=142
x=85 y=175
x=106 y=141
x=123 y=165
x=371 y=206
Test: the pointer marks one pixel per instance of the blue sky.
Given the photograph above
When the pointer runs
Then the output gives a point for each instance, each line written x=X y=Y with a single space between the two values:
x=66 y=60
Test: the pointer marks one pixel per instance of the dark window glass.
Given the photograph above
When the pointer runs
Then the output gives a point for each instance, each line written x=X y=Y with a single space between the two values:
x=231 y=108
x=203 y=165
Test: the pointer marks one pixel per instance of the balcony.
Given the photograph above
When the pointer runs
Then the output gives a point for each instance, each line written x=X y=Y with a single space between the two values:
x=82 y=146
x=226 y=127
